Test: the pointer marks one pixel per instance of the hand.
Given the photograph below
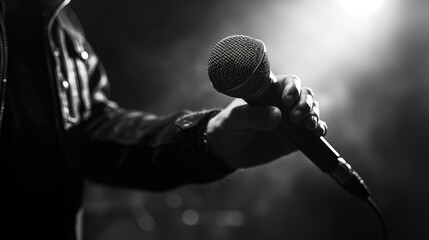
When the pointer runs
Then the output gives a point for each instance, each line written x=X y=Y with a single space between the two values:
x=245 y=136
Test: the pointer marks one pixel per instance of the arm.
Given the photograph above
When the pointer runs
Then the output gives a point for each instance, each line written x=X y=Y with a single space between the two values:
x=138 y=149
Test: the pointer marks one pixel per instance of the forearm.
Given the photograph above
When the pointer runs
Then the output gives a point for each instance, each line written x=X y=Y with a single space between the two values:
x=140 y=150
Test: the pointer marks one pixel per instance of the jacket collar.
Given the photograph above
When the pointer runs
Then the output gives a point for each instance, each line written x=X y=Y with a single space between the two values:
x=52 y=10
x=49 y=9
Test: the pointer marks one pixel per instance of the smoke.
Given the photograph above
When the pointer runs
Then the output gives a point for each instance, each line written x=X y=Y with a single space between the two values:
x=370 y=75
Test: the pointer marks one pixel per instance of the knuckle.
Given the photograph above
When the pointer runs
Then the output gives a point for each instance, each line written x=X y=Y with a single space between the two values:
x=316 y=110
x=291 y=92
x=316 y=104
x=324 y=128
x=295 y=78
x=307 y=104
x=294 y=81
x=308 y=91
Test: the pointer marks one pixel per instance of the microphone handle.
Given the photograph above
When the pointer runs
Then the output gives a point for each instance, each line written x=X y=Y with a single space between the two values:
x=316 y=148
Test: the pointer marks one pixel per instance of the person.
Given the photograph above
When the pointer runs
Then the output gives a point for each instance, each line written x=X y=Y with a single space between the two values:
x=58 y=127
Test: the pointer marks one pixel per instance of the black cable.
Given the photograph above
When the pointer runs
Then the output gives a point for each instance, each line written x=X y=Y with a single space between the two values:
x=380 y=216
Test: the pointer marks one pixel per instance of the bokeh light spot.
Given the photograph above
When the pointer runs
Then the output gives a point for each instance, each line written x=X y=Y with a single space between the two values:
x=190 y=217
x=146 y=222
x=230 y=218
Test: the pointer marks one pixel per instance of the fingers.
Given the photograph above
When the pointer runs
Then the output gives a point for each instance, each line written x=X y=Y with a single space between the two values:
x=312 y=119
x=291 y=90
x=321 y=128
x=300 y=98
x=313 y=122
x=304 y=108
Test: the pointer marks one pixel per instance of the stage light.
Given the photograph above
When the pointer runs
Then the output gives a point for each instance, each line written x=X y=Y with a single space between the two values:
x=361 y=7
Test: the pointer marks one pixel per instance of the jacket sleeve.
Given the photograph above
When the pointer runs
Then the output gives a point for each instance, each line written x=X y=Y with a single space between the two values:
x=136 y=149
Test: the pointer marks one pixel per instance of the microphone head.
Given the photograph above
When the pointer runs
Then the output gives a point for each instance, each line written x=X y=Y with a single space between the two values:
x=238 y=66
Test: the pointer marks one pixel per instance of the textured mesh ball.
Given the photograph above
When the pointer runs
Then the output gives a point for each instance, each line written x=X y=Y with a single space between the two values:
x=238 y=66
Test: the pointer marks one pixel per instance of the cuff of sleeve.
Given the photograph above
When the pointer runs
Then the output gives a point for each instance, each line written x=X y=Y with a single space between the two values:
x=196 y=123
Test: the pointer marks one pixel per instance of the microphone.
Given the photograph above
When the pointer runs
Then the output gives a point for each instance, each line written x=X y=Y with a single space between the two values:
x=238 y=67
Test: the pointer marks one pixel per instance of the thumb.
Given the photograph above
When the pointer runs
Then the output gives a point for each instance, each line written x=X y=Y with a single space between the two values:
x=246 y=117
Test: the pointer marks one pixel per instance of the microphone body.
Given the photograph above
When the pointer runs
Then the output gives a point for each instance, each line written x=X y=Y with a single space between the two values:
x=238 y=67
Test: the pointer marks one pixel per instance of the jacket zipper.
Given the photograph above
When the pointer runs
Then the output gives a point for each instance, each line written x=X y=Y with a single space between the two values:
x=4 y=62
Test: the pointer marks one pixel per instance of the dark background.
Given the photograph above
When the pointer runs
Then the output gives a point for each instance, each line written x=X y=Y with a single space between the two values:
x=370 y=74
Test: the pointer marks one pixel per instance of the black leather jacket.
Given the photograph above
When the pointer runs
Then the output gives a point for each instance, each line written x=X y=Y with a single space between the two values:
x=94 y=137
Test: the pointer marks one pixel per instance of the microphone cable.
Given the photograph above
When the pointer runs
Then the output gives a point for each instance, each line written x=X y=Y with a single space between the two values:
x=381 y=219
